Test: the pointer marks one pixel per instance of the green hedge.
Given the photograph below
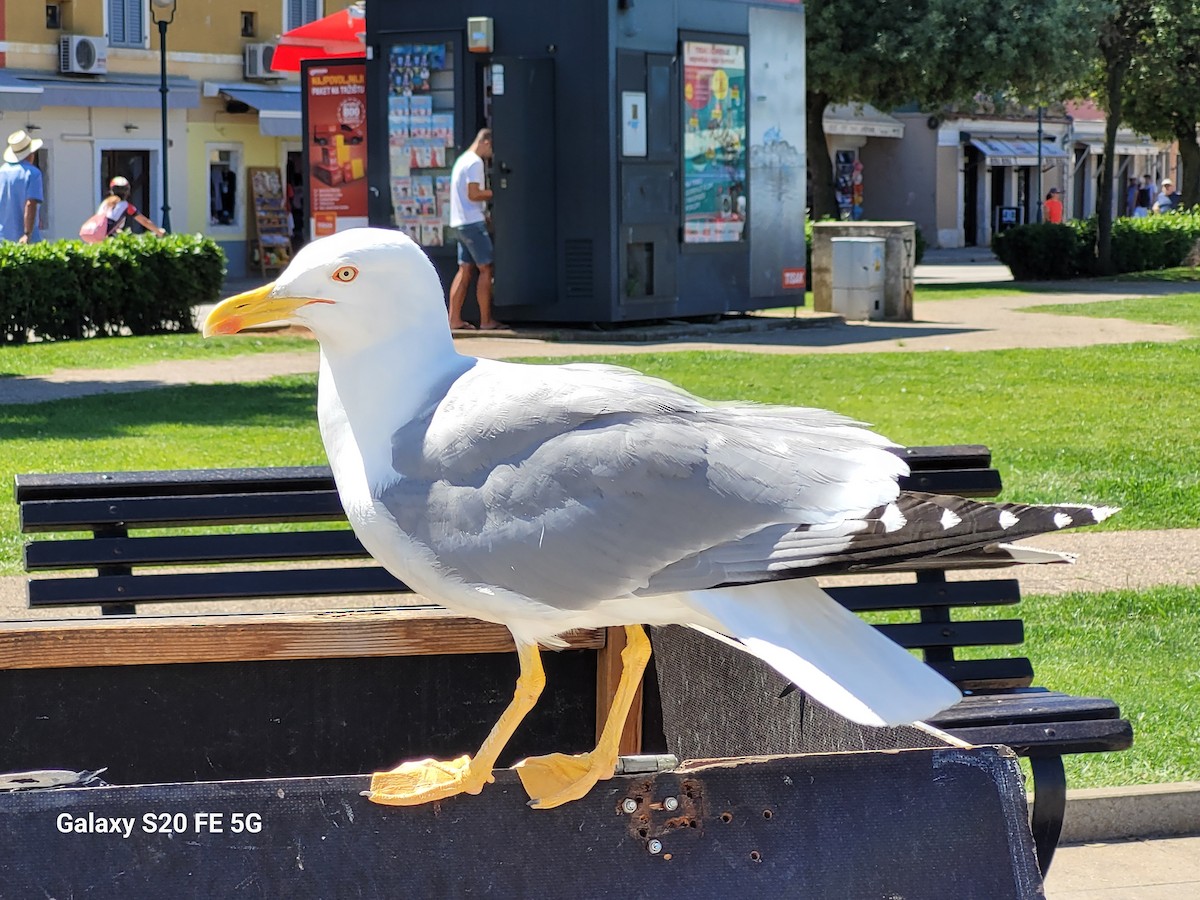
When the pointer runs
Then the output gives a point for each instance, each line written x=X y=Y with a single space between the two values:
x=68 y=289
x=1048 y=252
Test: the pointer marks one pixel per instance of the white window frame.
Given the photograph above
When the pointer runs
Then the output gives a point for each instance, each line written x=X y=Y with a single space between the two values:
x=238 y=225
x=144 y=43
x=288 y=25
x=155 y=173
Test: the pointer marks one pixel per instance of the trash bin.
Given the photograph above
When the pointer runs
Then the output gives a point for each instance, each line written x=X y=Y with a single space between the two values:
x=858 y=277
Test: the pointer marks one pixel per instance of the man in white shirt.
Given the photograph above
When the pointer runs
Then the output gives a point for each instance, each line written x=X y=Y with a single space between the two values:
x=468 y=197
x=1167 y=199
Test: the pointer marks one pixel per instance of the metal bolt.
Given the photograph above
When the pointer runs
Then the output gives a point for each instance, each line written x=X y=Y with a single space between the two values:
x=629 y=805
x=671 y=804
x=655 y=845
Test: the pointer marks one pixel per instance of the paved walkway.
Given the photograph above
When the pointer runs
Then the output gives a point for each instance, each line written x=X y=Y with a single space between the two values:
x=1160 y=869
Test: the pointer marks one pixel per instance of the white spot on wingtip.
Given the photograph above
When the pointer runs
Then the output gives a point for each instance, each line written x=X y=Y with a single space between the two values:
x=892 y=518
x=949 y=519
x=1062 y=520
x=1100 y=513
x=1008 y=519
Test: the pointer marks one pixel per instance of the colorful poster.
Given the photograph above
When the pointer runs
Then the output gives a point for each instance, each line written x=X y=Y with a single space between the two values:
x=714 y=142
x=336 y=99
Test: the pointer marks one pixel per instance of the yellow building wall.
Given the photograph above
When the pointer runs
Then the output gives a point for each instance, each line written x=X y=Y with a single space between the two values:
x=200 y=26
x=254 y=149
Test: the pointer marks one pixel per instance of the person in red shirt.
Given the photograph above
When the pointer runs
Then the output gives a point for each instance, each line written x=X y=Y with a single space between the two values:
x=1053 y=207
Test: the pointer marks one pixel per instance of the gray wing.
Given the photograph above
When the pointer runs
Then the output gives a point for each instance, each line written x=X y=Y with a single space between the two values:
x=577 y=484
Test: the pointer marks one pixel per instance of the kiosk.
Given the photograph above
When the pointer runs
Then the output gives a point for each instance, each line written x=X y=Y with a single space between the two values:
x=649 y=156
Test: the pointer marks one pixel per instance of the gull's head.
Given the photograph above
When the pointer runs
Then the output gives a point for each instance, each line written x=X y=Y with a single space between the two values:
x=351 y=288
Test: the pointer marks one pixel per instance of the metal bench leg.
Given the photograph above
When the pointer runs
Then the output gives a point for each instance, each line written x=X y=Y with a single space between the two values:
x=1049 y=806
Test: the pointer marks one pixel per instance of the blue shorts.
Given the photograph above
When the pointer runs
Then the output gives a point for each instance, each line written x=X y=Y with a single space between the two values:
x=474 y=245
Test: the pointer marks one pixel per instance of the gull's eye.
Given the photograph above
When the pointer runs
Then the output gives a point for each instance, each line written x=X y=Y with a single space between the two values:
x=345 y=273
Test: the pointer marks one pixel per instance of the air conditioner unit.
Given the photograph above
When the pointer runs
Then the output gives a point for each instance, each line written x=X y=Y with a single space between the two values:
x=81 y=54
x=256 y=61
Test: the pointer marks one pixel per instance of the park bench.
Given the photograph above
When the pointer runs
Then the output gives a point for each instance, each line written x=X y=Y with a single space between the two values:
x=337 y=690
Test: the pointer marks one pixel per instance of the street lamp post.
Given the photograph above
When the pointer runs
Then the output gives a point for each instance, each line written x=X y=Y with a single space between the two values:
x=163 y=12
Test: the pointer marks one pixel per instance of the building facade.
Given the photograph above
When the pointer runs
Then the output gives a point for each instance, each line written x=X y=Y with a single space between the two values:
x=84 y=76
x=962 y=177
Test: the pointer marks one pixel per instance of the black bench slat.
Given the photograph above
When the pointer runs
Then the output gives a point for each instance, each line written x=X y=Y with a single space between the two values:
x=1053 y=738
x=171 y=482
x=177 y=482
x=960 y=482
x=879 y=597
x=918 y=635
x=198 y=548
x=267 y=583
x=986 y=674
x=177 y=512
x=1034 y=705
x=946 y=456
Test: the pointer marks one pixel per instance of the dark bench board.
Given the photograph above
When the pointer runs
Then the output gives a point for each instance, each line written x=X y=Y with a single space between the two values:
x=206 y=722
x=813 y=826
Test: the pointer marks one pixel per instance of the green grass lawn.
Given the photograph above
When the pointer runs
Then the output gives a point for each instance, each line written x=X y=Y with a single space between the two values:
x=1175 y=309
x=1179 y=274
x=119 y=352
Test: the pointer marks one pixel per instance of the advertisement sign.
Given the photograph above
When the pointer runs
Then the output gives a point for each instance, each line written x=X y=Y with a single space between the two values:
x=714 y=142
x=335 y=101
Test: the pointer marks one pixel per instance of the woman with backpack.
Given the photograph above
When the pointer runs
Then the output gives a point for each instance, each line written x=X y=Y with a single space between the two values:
x=117 y=208
x=114 y=210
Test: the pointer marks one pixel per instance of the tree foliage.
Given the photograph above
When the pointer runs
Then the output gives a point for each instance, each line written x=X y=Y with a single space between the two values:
x=934 y=53
x=1162 y=84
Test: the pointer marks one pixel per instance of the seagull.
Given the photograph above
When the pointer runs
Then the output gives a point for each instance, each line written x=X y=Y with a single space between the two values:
x=555 y=497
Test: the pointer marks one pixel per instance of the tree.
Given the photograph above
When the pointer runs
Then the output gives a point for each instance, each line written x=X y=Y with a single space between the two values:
x=934 y=53
x=1162 y=85
x=1121 y=36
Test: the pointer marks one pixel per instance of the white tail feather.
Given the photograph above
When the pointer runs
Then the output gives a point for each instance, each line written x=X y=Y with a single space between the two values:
x=827 y=651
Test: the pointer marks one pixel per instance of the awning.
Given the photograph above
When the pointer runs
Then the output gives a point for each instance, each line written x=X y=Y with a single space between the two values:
x=33 y=90
x=16 y=94
x=1017 y=152
x=1124 y=148
x=861 y=120
x=278 y=107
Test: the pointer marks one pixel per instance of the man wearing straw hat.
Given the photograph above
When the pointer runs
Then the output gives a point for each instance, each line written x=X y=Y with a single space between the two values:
x=20 y=190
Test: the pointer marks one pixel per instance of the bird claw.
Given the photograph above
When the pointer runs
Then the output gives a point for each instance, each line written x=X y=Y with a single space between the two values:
x=557 y=778
x=426 y=780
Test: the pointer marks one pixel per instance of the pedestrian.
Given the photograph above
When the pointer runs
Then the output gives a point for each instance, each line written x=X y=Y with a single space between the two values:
x=21 y=190
x=117 y=208
x=1053 y=207
x=1168 y=198
x=1145 y=197
x=468 y=214
x=1130 y=197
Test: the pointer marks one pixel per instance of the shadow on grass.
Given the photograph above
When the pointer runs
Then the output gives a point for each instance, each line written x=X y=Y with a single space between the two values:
x=277 y=402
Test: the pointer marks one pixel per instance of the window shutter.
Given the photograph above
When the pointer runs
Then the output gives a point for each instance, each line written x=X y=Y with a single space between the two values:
x=312 y=10
x=127 y=22
x=295 y=14
x=116 y=21
x=135 y=22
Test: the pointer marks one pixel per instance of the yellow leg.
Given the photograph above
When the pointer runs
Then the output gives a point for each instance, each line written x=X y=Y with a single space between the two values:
x=557 y=779
x=425 y=780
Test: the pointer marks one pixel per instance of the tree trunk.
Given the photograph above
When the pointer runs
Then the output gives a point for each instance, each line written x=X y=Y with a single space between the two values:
x=823 y=199
x=1114 y=78
x=1189 y=155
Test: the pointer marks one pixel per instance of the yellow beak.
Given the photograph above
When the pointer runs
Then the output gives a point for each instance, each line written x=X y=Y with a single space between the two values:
x=256 y=307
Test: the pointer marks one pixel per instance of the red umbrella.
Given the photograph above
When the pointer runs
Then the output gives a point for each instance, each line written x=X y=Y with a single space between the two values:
x=341 y=34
